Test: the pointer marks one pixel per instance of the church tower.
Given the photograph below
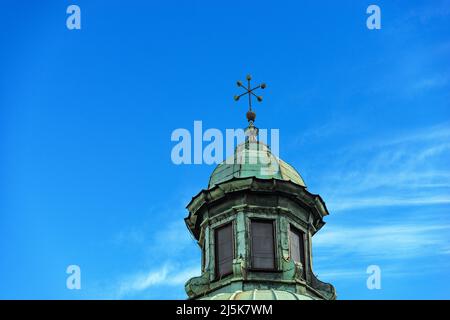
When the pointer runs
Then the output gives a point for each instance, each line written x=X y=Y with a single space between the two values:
x=254 y=224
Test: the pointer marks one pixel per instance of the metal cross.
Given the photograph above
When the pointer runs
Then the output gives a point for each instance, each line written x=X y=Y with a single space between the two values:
x=249 y=90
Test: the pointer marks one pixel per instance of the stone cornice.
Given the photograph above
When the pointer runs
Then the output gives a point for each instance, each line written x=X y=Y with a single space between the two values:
x=206 y=198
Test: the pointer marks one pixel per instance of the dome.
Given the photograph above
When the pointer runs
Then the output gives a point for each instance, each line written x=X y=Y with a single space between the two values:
x=254 y=159
x=259 y=295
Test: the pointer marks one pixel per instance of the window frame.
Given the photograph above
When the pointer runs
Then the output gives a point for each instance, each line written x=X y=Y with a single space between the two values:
x=218 y=276
x=302 y=237
x=203 y=255
x=274 y=239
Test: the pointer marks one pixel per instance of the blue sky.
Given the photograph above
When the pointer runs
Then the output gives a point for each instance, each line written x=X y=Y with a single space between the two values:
x=86 y=117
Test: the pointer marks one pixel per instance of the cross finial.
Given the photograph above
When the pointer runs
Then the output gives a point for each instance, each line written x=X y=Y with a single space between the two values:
x=251 y=115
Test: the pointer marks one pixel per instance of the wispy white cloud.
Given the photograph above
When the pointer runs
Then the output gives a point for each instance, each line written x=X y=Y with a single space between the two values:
x=387 y=271
x=168 y=257
x=409 y=170
x=360 y=274
x=412 y=169
x=369 y=202
x=391 y=241
x=430 y=11
x=316 y=133
x=435 y=81
x=172 y=238
x=168 y=238
x=135 y=236
x=341 y=273
x=436 y=132
x=167 y=275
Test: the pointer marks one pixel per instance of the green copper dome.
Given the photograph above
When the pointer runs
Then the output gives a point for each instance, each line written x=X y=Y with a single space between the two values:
x=255 y=223
x=259 y=295
x=254 y=159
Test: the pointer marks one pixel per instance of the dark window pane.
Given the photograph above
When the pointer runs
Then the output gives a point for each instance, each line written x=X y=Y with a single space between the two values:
x=297 y=248
x=224 y=250
x=263 y=253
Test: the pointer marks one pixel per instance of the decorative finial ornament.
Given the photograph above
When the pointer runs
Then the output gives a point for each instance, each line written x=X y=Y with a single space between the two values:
x=251 y=115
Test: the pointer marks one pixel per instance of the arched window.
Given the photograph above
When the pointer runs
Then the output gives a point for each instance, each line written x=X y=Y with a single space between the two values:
x=262 y=244
x=224 y=252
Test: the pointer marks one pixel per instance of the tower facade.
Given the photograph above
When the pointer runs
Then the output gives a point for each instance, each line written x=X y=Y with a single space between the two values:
x=254 y=225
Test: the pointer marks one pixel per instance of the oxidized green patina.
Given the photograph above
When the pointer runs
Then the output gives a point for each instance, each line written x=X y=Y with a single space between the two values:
x=261 y=187
x=255 y=185
x=259 y=163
